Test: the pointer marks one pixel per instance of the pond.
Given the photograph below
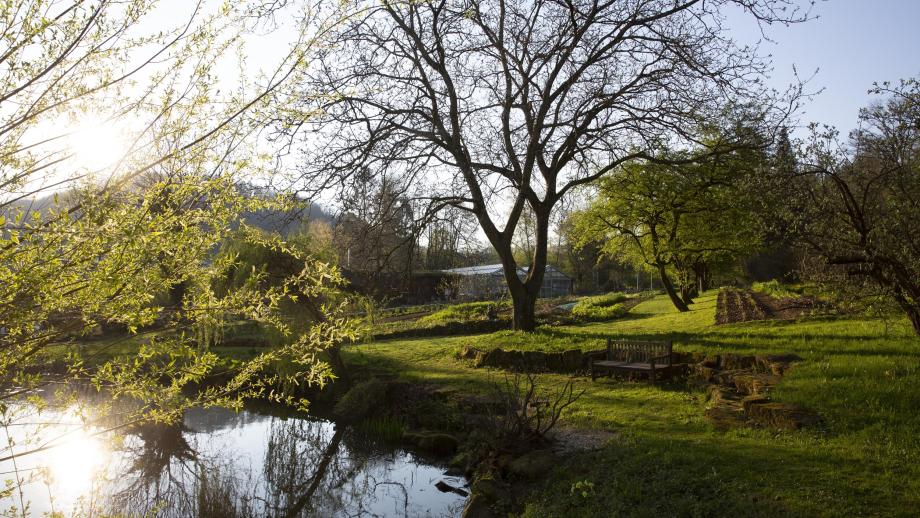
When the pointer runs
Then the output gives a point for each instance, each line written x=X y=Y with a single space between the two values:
x=258 y=462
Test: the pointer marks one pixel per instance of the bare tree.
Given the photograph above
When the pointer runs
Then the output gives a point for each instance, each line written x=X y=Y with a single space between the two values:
x=856 y=206
x=502 y=106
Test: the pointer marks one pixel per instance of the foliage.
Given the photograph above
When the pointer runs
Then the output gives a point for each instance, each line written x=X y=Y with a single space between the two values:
x=681 y=215
x=131 y=244
x=515 y=104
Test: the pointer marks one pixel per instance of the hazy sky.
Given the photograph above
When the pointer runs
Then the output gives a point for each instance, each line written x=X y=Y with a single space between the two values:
x=851 y=44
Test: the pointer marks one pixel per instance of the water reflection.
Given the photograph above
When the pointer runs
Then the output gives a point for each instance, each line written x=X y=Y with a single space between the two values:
x=221 y=463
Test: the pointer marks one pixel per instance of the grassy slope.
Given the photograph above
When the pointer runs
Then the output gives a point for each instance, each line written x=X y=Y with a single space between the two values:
x=862 y=375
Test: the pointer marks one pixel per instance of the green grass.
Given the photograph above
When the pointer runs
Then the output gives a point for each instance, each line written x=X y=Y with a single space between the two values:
x=463 y=312
x=861 y=374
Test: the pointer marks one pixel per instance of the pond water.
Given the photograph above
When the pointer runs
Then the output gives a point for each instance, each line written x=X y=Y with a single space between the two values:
x=261 y=462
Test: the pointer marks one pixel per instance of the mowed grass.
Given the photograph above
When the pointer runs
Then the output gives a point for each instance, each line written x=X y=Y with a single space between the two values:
x=861 y=375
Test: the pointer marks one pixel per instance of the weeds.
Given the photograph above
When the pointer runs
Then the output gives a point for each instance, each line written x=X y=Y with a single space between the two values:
x=525 y=413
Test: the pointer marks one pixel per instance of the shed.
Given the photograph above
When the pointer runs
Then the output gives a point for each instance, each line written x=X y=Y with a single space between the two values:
x=487 y=281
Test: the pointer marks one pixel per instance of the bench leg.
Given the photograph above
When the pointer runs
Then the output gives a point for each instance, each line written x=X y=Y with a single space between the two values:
x=651 y=376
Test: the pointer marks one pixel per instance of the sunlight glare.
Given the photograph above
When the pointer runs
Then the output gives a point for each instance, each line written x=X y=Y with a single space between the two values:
x=97 y=145
x=75 y=463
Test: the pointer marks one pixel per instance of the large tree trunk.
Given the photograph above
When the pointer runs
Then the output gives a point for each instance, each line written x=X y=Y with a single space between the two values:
x=524 y=292
x=669 y=288
x=686 y=294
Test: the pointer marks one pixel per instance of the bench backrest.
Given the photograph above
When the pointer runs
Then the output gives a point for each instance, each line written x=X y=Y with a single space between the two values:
x=638 y=351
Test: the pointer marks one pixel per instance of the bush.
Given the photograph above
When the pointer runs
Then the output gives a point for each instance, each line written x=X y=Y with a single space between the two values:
x=778 y=290
x=360 y=399
x=605 y=300
x=465 y=312
x=601 y=307
x=599 y=313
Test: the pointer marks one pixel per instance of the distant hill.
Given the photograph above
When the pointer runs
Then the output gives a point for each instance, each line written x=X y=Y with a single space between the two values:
x=268 y=220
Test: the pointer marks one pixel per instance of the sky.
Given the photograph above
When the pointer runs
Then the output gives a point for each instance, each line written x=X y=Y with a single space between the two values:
x=848 y=45
x=851 y=44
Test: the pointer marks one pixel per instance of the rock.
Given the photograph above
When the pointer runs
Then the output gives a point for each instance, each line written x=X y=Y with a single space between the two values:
x=726 y=377
x=535 y=360
x=736 y=361
x=477 y=507
x=756 y=399
x=777 y=364
x=468 y=352
x=444 y=487
x=782 y=416
x=725 y=416
x=494 y=358
x=532 y=465
x=719 y=394
x=438 y=443
x=711 y=362
x=755 y=383
x=490 y=490
x=706 y=374
x=572 y=360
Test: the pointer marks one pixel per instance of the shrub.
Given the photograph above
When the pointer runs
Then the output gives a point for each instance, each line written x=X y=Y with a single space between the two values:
x=464 y=312
x=778 y=290
x=605 y=300
x=601 y=307
x=360 y=399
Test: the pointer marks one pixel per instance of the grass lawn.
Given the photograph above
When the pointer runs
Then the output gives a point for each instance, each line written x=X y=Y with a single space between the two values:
x=862 y=375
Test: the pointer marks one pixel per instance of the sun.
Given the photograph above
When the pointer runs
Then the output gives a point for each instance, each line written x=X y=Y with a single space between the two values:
x=97 y=145
x=75 y=464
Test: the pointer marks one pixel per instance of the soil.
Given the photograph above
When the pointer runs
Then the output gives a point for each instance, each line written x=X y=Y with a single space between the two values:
x=735 y=305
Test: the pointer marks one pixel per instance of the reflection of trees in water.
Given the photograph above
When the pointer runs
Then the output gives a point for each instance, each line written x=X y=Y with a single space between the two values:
x=310 y=469
x=167 y=477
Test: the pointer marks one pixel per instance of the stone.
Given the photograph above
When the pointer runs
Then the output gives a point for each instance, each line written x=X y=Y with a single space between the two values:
x=444 y=487
x=726 y=377
x=572 y=360
x=736 y=362
x=719 y=394
x=706 y=374
x=490 y=489
x=468 y=352
x=724 y=417
x=756 y=399
x=782 y=416
x=477 y=507
x=532 y=465
x=777 y=364
x=711 y=362
x=755 y=383
x=535 y=360
x=438 y=443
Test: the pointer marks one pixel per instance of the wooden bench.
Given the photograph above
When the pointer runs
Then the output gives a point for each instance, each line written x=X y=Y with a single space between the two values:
x=653 y=358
